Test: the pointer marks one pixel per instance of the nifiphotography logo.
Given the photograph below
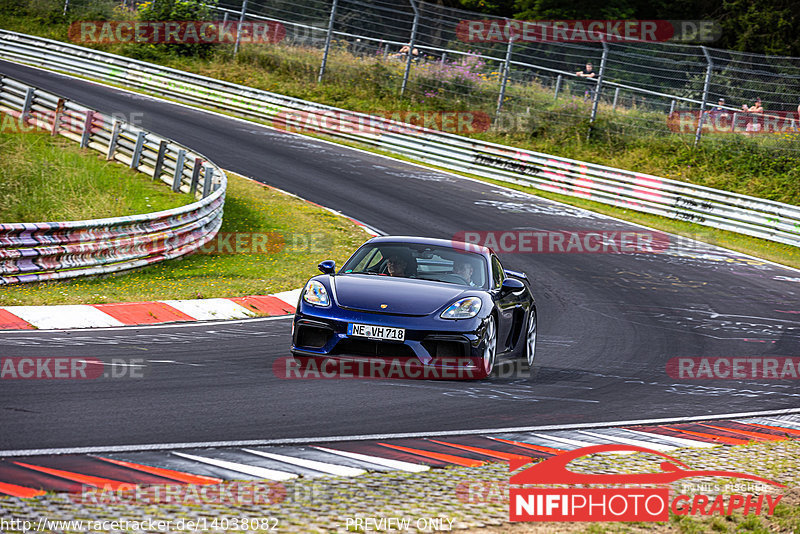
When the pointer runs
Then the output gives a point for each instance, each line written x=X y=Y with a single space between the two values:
x=623 y=503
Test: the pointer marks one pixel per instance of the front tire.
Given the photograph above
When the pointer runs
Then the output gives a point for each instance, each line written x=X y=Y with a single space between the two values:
x=530 y=338
x=489 y=357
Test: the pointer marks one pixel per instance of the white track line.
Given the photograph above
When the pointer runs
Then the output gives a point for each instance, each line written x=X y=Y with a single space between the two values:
x=400 y=435
x=261 y=472
x=323 y=467
x=377 y=460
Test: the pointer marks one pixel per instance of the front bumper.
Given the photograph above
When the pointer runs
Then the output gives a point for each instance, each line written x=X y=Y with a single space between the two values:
x=430 y=343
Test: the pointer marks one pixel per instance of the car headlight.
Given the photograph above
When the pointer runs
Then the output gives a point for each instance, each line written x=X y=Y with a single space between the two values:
x=316 y=294
x=463 y=309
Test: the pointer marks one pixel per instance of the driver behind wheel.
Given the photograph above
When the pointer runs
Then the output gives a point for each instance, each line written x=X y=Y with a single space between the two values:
x=465 y=270
x=400 y=263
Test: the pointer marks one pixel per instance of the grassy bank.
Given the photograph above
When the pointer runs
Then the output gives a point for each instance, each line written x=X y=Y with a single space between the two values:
x=44 y=178
x=629 y=136
x=269 y=242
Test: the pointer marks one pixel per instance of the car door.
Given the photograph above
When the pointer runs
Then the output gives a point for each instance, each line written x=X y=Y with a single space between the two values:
x=506 y=304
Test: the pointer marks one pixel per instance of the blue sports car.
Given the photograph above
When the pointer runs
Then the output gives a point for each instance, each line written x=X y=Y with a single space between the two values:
x=414 y=307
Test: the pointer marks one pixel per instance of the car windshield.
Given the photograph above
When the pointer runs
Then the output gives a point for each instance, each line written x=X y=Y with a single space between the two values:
x=426 y=262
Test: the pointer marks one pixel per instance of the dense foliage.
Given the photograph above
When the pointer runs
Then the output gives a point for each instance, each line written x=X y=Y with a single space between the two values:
x=766 y=27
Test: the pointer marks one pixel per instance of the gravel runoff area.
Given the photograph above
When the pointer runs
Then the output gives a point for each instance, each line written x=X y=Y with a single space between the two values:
x=457 y=498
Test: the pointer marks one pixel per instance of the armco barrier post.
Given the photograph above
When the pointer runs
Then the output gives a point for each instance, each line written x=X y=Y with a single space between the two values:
x=112 y=143
x=87 y=129
x=411 y=44
x=26 y=105
x=137 y=150
x=327 y=42
x=162 y=150
x=198 y=163
x=709 y=67
x=57 y=117
x=177 y=178
x=208 y=178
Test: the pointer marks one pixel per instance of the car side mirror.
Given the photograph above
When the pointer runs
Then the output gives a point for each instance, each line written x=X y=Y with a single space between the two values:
x=511 y=285
x=327 y=267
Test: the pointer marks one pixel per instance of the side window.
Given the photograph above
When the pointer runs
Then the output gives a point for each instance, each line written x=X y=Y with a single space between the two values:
x=497 y=273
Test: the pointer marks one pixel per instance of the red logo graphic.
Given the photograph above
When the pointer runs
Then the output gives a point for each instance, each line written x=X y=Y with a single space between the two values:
x=616 y=504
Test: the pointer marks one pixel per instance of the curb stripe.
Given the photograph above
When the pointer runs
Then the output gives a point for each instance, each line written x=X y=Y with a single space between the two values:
x=538 y=448
x=631 y=441
x=19 y=491
x=755 y=435
x=567 y=441
x=712 y=437
x=323 y=467
x=507 y=456
x=377 y=460
x=458 y=460
x=64 y=316
x=209 y=309
x=97 y=482
x=679 y=442
x=131 y=313
x=187 y=478
x=261 y=472
x=790 y=431
x=9 y=321
x=266 y=304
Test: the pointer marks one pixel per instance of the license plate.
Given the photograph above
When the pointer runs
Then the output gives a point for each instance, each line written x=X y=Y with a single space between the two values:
x=376 y=332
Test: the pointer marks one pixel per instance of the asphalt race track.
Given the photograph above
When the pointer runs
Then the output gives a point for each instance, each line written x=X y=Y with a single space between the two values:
x=609 y=323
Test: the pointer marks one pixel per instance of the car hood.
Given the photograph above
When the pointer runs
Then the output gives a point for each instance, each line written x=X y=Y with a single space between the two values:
x=405 y=296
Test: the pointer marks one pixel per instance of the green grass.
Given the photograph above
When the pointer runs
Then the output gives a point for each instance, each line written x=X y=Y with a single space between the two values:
x=297 y=234
x=44 y=178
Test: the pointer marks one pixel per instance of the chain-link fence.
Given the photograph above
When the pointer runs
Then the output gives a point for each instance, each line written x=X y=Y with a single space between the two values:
x=640 y=88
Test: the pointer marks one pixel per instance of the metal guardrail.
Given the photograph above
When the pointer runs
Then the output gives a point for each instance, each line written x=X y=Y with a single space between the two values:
x=33 y=252
x=705 y=206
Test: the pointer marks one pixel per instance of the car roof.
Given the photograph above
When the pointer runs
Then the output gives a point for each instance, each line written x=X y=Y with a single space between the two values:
x=447 y=243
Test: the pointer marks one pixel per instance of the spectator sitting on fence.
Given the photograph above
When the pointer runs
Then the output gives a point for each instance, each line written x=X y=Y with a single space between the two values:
x=719 y=108
x=754 y=124
x=406 y=50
